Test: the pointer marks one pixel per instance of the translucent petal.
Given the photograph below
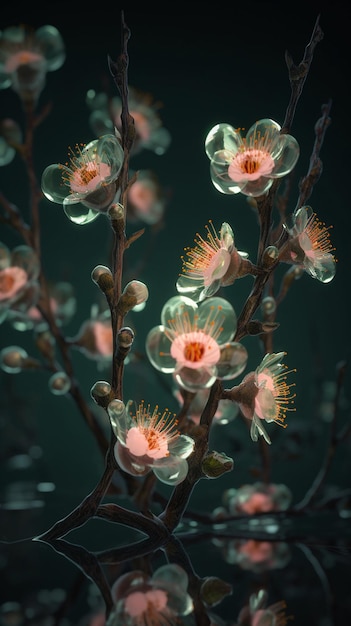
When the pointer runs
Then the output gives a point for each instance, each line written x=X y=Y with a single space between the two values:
x=300 y=218
x=110 y=151
x=100 y=123
x=79 y=213
x=117 y=413
x=222 y=137
x=210 y=291
x=227 y=236
x=52 y=46
x=7 y=153
x=25 y=257
x=195 y=379
x=220 y=309
x=263 y=128
x=255 y=188
x=182 y=446
x=172 y=474
x=158 y=350
x=177 y=305
x=189 y=287
x=173 y=575
x=221 y=180
x=323 y=267
x=232 y=362
x=286 y=159
x=128 y=463
x=54 y=182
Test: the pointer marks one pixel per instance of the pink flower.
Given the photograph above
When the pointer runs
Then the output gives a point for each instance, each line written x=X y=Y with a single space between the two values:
x=249 y=165
x=309 y=246
x=149 y=131
x=257 y=498
x=195 y=342
x=26 y=55
x=86 y=186
x=213 y=262
x=149 y=440
x=95 y=339
x=264 y=395
x=19 y=288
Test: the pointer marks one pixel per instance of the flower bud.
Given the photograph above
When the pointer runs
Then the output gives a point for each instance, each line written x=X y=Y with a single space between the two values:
x=101 y=393
x=270 y=256
x=59 y=384
x=102 y=277
x=268 y=306
x=134 y=293
x=214 y=590
x=138 y=290
x=125 y=337
x=116 y=211
x=216 y=464
x=12 y=359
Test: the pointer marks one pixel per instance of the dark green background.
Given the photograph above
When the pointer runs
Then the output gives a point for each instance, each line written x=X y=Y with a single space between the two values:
x=209 y=66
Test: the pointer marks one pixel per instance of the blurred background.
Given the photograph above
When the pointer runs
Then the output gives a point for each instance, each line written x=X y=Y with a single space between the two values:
x=202 y=69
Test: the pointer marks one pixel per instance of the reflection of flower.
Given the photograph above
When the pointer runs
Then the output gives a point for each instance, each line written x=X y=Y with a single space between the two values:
x=106 y=114
x=257 y=498
x=19 y=271
x=256 y=613
x=194 y=342
x=250 y=165
x=87 y=186
x=140 y=600
x=309 y=245
x=257 y=556
x=146 y=201
x=25 y=57
x=264 y=395
x=147 y=439
x=212 y=263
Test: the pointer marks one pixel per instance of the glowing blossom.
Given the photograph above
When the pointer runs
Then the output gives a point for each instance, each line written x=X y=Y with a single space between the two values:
x=150 y=134
x=195 y=342
x=149 y=440
x=309 y=245
x=146 y=200
x=26 y=55
x=249 y=165
x=19 y=287
x=86 y=186
x=140 y=600
x=212 y=263
x=95 y=338
x=264 y=395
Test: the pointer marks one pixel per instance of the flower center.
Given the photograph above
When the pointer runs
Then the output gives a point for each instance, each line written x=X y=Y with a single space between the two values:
x=194 y=351
x=152 y=433
x=12 y=279
x=6 y=283
x=316 y=236
x=87 y=171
